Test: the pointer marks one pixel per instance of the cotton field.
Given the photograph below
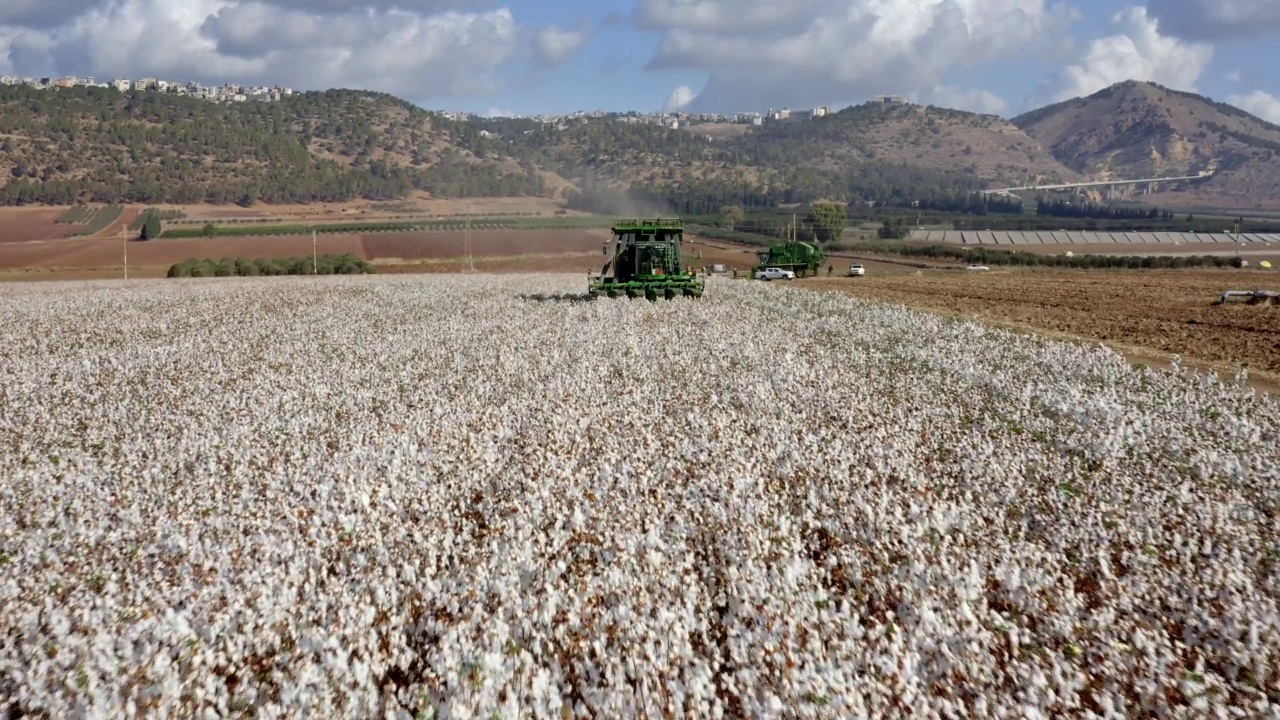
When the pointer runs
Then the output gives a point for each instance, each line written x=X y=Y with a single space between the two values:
x=476 y=497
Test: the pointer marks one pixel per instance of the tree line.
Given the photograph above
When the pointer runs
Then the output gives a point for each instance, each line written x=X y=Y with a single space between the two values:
x=1063 y=208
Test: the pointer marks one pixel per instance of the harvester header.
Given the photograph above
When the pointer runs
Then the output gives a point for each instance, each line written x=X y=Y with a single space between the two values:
x=646 y=259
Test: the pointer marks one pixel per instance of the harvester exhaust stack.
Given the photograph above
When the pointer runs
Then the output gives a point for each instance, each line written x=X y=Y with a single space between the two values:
x=647 y=260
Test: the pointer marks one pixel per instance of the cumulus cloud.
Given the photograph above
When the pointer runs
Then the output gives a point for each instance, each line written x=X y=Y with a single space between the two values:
x=971 y=99
x=1217 y=19
x=417 y=49
x=553 y=46
x=42 y=13
x=679 y=99
x=1259 y=103
x=1139 y=51
x=762 y=53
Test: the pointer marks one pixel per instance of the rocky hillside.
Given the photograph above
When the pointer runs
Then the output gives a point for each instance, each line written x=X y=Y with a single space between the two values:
x=870 y=152
x=98 y=145
x=984 y=147
x=1139 y=129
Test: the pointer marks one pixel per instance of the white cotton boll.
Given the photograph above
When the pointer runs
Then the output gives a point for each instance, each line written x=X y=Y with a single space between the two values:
x=322 y=508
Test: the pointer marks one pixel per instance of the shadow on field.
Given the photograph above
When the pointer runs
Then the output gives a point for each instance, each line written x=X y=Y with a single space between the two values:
x=556 y=297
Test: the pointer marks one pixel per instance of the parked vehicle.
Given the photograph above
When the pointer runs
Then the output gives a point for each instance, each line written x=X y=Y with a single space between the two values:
x=857 y=271
x=774 y=273
x=977 y=267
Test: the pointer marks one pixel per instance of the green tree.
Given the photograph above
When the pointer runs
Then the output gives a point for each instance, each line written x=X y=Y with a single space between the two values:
x=209 y=230
x=731 y=216
x=151 y=226
x=827 y=220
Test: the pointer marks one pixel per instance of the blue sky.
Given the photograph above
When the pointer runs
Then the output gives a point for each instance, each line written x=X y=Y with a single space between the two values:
x=610 y=70
x=532 y=56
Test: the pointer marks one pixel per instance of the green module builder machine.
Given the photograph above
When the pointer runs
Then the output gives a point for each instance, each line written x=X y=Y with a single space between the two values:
x=646 y=260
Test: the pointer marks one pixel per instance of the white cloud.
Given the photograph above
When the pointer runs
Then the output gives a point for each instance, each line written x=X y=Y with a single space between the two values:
x=417 y=50
x=972 y=99
x=1138 y=52
x=1217 y=19
x=554 y=46
x=762 y=53
x=679 y=99
x=1264 y=105
x=498 y=113
x=1235 y=76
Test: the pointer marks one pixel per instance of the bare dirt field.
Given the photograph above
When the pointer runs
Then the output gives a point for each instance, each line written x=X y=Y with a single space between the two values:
x=1250 y=251
x=1149 y=314
x=572 y=249
x=417 y=204
x=20 y=225
x=498 y=243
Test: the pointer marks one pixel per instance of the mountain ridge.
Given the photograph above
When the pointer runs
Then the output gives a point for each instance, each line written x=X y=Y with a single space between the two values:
x=92 y=145
x=1143 y=129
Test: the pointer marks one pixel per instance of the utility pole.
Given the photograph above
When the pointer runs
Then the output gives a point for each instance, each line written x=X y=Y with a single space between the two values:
x=126 y=254
x=314 y=270
x=1235 y=229
x=471 y=263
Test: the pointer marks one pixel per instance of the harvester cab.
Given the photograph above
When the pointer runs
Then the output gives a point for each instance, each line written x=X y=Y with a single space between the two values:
x=645 y=259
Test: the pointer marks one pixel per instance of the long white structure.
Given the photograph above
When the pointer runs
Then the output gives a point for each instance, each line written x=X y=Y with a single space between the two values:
x=1087 y=237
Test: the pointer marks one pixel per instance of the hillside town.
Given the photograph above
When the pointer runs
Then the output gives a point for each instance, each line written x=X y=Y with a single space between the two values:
x=231 y=92
x=678 y=119
x=216 y=93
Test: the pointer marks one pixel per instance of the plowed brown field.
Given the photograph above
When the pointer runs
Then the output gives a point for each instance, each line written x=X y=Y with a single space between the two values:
x=21 y=225
x=574 y=249
x=1148 y=314
x=488 y=243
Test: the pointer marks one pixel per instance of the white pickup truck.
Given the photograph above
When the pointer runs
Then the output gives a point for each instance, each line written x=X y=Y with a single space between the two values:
x=773 y=273
x=856 y=271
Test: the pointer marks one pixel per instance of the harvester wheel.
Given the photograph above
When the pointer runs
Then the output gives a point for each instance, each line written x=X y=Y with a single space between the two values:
x=632 y=293
x=650 y=294
x=669 y=293
x=802 y=272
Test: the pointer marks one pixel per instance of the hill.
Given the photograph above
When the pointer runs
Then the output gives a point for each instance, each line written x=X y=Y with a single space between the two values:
x=889 y=154
x=1140 y=129
x=983 y=147
x=99 y=145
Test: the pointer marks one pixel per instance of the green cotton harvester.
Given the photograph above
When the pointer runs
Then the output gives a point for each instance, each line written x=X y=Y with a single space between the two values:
x=802 y=258
x=645 y=260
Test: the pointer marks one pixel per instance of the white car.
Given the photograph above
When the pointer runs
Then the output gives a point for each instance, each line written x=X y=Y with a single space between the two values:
x=774 y=273
x=977 y=267
x=857 y=271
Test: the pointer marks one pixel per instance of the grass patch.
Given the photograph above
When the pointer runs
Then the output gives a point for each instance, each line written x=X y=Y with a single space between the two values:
x=94 y=219
x=345 y=264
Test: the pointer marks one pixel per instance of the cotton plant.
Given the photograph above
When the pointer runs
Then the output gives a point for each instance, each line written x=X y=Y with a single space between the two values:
x=449 y=496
